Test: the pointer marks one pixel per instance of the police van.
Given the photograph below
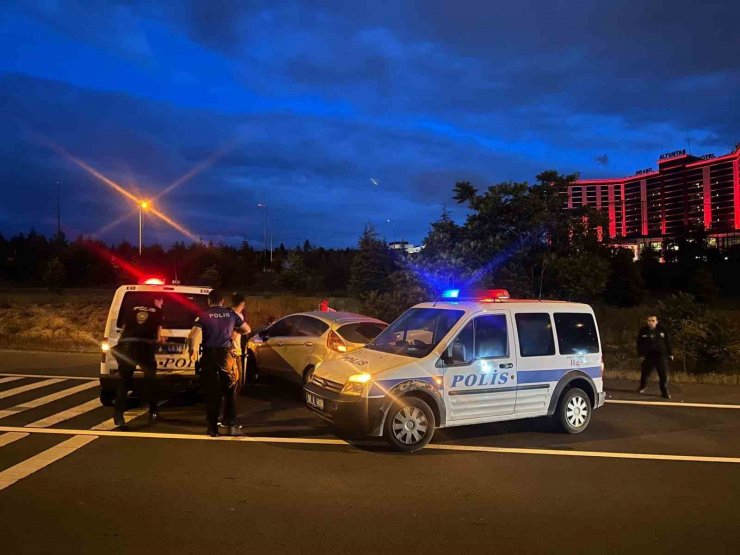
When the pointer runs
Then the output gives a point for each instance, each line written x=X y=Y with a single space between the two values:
x=465 y=361
x=181 y=306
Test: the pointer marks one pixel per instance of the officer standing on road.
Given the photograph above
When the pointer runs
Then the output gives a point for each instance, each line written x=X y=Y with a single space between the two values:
x=142 y=329
x=218 y=366
x=654 y=345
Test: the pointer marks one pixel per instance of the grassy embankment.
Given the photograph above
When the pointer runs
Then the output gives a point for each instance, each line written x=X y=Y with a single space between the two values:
x=37 y=320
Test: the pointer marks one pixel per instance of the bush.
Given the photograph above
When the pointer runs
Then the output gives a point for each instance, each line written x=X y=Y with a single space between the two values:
x=55 y=275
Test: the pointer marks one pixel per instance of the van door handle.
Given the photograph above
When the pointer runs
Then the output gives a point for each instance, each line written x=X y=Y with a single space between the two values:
x=507 y=365
x=308 y=344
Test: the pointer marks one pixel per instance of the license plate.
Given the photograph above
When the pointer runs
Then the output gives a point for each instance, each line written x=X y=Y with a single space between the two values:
x=317 y=402
x=170 y=349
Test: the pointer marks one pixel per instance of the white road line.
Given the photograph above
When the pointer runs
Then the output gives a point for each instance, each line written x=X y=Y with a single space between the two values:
x=9 y=379
x=14 y=375
x=672 y=404
x=10 y=437
x=28 y=387
x=11 y=475
x=47 y=399
x=65 y=414
x=436 y=446
x=129 y=415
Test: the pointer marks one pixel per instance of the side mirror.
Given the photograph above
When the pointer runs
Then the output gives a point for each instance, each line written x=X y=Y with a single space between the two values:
x=455 y=354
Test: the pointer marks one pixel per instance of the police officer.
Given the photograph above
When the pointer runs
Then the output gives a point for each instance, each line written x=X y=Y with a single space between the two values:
x=655 y=346
x=219 y=375
x=142 y=329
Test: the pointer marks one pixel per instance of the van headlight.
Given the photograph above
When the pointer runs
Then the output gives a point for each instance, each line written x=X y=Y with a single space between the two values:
x=105 y=346
x=355 y=385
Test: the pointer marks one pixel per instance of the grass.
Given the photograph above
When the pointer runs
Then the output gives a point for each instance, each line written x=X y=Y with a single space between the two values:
x=33 y=319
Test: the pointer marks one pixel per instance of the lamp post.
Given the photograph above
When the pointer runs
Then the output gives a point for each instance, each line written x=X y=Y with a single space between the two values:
x=143 y=205
x=263 y=205
x=393 y=222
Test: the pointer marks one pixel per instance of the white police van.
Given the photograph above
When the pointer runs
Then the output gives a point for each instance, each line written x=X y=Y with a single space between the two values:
x=181 y=306
x=466 y=361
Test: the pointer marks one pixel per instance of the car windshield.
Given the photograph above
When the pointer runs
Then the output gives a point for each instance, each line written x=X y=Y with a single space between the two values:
x=179 y=309
x=416 y=332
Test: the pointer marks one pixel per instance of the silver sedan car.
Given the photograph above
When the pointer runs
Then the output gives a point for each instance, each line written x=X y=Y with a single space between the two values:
x=294 y=346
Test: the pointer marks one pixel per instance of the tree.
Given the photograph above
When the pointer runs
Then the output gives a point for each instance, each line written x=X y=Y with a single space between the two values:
x=55 y=275
x=624 y=286
x=372 y=265
x=211 y=276
x=295 y=276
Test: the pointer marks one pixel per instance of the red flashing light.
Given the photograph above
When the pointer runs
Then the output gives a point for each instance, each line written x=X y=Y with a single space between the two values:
x=153 y=281
x=493 y=295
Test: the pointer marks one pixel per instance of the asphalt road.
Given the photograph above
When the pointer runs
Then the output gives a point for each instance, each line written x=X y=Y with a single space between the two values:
x=71 y=482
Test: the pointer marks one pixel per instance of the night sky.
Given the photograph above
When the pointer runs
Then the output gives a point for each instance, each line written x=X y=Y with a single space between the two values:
x=336 y=114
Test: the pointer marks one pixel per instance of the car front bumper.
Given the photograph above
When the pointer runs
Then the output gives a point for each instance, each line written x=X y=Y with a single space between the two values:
x=350 y=413
x=600 y=399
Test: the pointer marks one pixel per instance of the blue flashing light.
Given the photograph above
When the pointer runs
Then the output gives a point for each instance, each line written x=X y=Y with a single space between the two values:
x=450 y=293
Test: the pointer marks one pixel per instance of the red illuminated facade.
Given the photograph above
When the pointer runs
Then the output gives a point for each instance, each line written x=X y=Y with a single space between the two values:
x=686 y=192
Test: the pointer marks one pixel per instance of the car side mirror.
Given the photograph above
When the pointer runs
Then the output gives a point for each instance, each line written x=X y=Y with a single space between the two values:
x=454 y=354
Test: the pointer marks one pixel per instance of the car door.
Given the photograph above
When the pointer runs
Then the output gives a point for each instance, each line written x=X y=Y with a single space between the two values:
x=271 y=351
x=305 y=339
x=480 y=374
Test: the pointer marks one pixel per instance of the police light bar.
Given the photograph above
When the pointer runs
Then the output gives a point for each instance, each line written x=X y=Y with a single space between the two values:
x=486 y=295
x=153 y=281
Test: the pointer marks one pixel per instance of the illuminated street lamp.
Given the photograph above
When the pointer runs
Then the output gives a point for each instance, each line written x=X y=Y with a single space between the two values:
x=393 y=222
x=143 y=205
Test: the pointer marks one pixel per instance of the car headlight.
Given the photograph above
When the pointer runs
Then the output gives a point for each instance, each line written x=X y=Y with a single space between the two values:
x=355 y=385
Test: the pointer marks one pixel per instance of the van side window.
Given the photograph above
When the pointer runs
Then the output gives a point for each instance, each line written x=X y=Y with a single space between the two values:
x=535 y=334
x=491 y=338
x=482 y=337
x=576 y=333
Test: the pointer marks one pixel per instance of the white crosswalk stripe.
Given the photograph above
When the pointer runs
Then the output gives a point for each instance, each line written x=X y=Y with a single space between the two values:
x=65 y=414
x=10 y=437
x=47 y=399
x=130 y=415
x=28 y=387
x=11 y=475
x=9 y=379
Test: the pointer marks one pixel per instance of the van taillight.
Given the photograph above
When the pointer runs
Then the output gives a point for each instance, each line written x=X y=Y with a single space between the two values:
x=335 y=343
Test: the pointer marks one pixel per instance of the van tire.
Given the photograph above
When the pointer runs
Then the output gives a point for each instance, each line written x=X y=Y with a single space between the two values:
x=574 y=411
x=409 y=424
x=107 y=397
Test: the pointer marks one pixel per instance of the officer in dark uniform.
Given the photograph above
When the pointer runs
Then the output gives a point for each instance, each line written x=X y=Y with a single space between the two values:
x=655 y=346
x=219 y=375
x=142 y=330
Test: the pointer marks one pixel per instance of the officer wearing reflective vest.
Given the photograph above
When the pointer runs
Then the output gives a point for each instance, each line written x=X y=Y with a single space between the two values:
x=219 y=372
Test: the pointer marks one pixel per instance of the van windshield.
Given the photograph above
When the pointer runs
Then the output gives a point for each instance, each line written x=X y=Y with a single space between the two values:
x=180 y=309
x=416 y=332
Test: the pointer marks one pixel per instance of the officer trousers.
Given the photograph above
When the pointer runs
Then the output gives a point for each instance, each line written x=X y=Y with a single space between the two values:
x=219 y=379
x=129 y=354
x=655 y=363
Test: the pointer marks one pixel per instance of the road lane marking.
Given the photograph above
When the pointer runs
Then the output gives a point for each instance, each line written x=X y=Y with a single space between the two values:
x=10 y=437
x=28 y=387
x=46 y=399
x=65 y=414
x=9 y=379
x=435 y=446
x=14 y=375
x=11 y=475
x=129 y=415
x=672 y=404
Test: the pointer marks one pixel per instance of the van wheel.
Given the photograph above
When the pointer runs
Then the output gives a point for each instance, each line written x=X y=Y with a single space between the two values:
x=107 y=397
x=574 y=411
x=409 y=425
x=308 y=374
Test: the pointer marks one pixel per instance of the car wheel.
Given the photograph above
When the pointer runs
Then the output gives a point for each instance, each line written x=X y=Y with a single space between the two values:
x=107 y=397
x=574 y=411
x=308 y=374
x=409 y=424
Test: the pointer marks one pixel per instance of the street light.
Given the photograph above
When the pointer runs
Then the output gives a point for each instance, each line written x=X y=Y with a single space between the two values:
x=267 y=210
x=143 y=205
x=394 y=230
